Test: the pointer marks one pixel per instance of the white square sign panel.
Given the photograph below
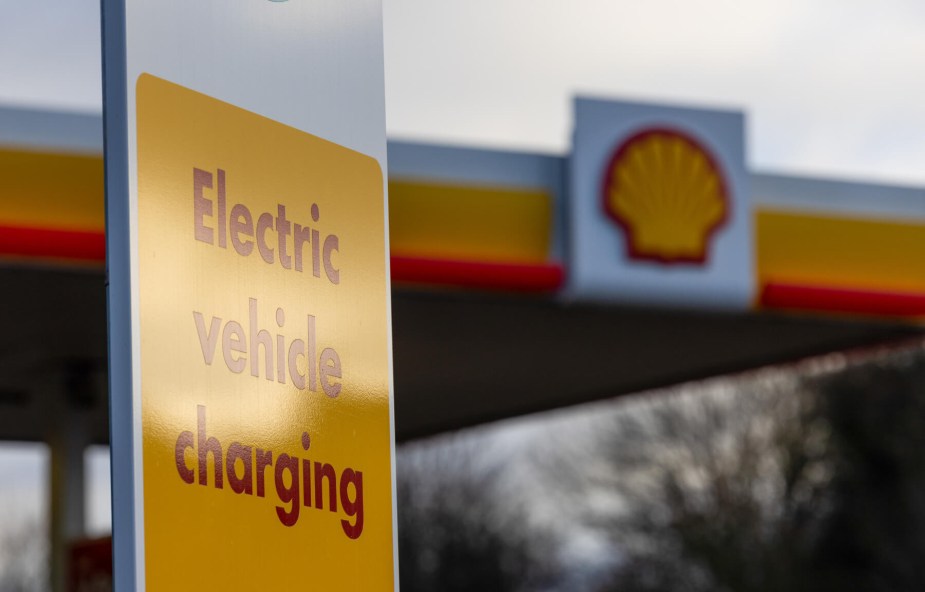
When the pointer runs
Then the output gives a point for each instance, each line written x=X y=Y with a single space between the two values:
x=659 y=209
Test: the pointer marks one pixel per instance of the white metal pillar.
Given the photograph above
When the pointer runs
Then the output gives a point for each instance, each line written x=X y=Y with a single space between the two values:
x=67 y=438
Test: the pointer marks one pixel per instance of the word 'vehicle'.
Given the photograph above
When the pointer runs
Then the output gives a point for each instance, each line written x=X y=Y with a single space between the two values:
x=240 y=347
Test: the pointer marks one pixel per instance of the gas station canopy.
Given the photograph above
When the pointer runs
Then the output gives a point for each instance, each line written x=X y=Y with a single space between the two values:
x=521 y=282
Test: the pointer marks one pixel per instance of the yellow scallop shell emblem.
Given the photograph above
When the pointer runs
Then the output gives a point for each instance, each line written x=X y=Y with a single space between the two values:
x=664 y=190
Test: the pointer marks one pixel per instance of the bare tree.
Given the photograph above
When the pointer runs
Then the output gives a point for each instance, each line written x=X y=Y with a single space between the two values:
x=808 y=480
x=23 y=555
x=461 y=526
x=716 y=483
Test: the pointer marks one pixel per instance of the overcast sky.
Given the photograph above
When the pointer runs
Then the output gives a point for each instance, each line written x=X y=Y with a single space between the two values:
x=830 y=86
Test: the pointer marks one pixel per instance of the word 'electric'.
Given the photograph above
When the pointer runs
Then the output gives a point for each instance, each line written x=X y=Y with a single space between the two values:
x=239 y=227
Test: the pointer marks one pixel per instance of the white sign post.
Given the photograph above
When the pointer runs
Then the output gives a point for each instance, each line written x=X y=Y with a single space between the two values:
x=247 y=253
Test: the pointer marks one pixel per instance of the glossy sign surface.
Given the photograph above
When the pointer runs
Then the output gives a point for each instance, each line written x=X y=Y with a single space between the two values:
x=264 y=352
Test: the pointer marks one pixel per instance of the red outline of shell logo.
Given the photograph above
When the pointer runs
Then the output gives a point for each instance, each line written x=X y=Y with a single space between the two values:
x=667 y=193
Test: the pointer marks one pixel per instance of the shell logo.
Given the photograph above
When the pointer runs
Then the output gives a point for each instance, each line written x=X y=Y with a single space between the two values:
x=665 y=190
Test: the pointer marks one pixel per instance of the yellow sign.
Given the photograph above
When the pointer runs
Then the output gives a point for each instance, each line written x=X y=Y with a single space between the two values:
x=264 y=352
x=667 y=194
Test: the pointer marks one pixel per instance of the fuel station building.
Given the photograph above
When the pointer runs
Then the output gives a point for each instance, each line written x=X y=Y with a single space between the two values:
x=648 y=256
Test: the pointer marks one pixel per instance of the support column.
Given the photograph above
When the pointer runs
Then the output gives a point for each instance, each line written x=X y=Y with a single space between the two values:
x=67 y=438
